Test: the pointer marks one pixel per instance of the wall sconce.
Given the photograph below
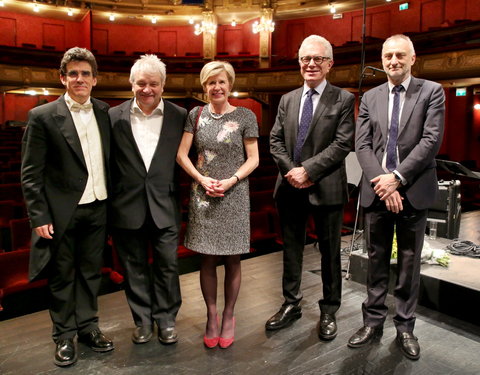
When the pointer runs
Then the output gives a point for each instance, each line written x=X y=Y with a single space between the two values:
x=111 y=17
x=36 y=8
x=333 y=10
x=263 y=25
x=234 y=23
x=205 y=27
x=70 y=12
x=154 y=20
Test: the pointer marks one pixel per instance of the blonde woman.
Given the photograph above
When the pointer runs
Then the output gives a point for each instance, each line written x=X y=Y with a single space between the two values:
x=225 y=140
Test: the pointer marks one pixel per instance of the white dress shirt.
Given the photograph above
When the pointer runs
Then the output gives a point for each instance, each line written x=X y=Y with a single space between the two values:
x=315 y=98
x=146 y=130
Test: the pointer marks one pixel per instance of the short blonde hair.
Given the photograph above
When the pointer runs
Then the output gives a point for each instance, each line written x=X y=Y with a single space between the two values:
x=216 y=67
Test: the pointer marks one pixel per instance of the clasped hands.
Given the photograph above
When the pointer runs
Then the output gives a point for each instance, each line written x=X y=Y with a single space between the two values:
x=386 y=188
x=216 y=188
x=298 y=178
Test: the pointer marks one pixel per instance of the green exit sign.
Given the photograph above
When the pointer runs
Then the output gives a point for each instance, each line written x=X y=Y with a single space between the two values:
x=461 y=91
x=403 y=6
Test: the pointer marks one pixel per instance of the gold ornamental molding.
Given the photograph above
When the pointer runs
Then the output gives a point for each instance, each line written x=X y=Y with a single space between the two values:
x=459 y=68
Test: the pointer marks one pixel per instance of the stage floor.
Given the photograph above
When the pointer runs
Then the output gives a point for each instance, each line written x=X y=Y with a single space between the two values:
x=448 y=345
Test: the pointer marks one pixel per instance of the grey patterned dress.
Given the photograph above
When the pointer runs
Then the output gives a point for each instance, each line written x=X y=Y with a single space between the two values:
x=220 y=226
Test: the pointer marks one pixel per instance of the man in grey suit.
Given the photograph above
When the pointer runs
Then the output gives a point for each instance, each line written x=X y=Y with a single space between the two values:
x=144 y=209
x=399 y=132
x=64 y=179
x=311 y=137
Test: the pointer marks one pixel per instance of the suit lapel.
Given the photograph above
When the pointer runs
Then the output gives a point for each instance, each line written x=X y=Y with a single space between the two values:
x=127 y=130
x=166 y=132
x=411 y=98
x=292 y=131
x=65 y=123
x=382 y=109
x=101 y=116
x=325 y=101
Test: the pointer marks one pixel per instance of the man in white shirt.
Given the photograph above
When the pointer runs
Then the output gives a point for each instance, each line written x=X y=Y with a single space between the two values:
x=145 y=212
x=64 y=178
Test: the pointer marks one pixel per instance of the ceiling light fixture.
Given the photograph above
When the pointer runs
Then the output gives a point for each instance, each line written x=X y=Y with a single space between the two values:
x=333 y=9
x=111 y=17
x=154 y=20
x=36 y=8
x=234 y=23
x=70 y=12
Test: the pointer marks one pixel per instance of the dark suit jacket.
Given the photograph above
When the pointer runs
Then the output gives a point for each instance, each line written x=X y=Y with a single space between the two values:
x=328 y=142
x=419 y=138
x=134 y=191
x=54 y=173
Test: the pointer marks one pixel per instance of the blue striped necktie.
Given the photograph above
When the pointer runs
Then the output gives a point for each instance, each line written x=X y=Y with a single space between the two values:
x=391 y=162
x=305 y=120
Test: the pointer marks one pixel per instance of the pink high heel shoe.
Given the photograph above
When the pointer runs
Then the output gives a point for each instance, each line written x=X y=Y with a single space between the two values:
x=211 y=342
x=223 y=342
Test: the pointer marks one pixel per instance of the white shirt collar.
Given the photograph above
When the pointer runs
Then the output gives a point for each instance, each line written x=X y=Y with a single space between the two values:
x=71 y=102
x=319 y=89
x=136 y=108
x=405 y=84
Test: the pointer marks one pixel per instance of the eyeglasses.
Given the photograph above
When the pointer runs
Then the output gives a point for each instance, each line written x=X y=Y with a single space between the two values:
x=318 y=60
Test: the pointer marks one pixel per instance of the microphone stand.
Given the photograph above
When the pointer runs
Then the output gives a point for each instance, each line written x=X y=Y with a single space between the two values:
x=363 y=74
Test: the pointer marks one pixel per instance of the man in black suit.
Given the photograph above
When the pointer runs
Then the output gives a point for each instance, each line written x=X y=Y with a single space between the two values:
x=64 y=178
x=311 y=137
x=146 y=133
x=399 y=132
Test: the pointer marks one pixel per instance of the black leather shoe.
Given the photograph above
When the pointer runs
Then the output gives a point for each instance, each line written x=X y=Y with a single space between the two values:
x=142 y=334
x=167 y=335
x=97 y=341
x=283 y=317
x=327 y=327
x=409 y=345
x=365 y=335
x=65 y=353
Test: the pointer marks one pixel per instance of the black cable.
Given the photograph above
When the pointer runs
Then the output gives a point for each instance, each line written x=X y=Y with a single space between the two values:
x=464 y=248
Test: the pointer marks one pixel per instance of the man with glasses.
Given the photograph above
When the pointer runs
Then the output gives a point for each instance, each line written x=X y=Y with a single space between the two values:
x=64 y=178
x=311 y=137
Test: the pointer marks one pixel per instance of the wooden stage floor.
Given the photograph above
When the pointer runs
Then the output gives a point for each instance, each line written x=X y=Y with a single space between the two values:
x=448 y=345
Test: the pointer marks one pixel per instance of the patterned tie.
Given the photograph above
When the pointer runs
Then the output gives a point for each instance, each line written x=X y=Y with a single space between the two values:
x=305 y=120
x=391 y=162
x=84 y=107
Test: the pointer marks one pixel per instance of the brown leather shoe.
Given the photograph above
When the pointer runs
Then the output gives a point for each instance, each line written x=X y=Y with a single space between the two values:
x=327 y=327
x=364 y=336
x=286 y=314
x=65 y=353
x=409 y=345
x=97 y=341
x=167 y=335
x=142 y=334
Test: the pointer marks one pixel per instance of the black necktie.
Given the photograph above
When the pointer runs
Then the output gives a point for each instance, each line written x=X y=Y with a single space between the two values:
x=391 y=162
x=305 y=120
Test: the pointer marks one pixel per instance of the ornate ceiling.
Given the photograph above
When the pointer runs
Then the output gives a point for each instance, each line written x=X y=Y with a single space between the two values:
x=179 y=12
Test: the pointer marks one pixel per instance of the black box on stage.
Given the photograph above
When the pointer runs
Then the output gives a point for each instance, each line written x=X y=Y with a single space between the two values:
x=446 y=211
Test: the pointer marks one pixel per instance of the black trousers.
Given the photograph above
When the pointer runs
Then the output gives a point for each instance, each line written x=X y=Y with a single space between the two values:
x=75 y=272
x=294 y=209
x=380 y=225
x=153 y=292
